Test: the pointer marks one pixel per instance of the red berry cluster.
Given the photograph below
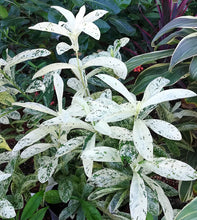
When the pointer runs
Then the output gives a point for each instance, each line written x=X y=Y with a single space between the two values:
x=138 y=69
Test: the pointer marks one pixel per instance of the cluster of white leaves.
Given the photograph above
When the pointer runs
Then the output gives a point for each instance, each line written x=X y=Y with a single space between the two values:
x=73 y=27
x=4 y=117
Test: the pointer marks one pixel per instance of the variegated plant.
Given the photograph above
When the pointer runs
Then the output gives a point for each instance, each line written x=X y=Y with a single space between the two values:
x=98 y=114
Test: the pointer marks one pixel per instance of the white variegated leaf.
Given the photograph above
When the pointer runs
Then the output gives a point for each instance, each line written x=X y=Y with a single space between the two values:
x=53 y=67
x=4 y=120
x=163 y=199
x=37 y=107
x=102 y=192
x=78 y=65
x=32 y=137
x=103 y=128
x=121 y=133
x=168 y=95
x=142 y=139
x=2 y=62
x=107 y=93
x=35 y=86
x=50 y=27
x=102 y=154
x=62 y=47
x=171 y=168
x=47 y=168
x=154 y=87
x=35 y=149
x=138 y=198
x=75 y=84
x=70 y=145
x=91 y=29
x=118 y=66
x=94 y=15
x=6 y=209
x=107 y=178
x=164 y=129
x=14 y=115
x=5 y=156
x=119 y=87
x=4 y=176
x=27 y=55
x=59 y=89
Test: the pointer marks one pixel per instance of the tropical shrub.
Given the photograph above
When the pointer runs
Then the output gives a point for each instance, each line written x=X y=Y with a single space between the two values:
x=97 y=151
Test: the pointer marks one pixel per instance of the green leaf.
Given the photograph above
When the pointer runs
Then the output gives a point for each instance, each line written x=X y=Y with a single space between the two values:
x=189 y=212
x=52 y=197
x=32 y=205
x=122 y=26
x=123 y=3
x=184 y=50
x=3 y=12
x=65 y=189
x=90 y=211
x=157 y=70
x=147 y=58
x=185 y=190
x=193 y=68
x=102 y=25
x=39 y=215
x=69 y=210
x=109 y=5
x=180 y=22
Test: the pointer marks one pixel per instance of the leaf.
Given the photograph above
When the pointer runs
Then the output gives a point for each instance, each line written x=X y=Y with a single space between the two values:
x=75 y=84
x=180 y=22
x=193 y=68
x=168 y=95
x=3 y=144
x=4 y=176
x=70 y=145
x=107 y=178
x=6 y=98
x=32 y=205
x=154 y=87
x=3 y=12
x=102 y=154
x=189 y=212
x=185 y=189
x=62 y=47
x=102 y=25
x=142 y=139
x=184 y=50
x=69 y=210
x=36 y=106
x=164 y=129
x=6 y=209
x=159 y=70
x=50 y=27
x=36 y=85
x=138 y=198
x=31 y=137
x=123 y=3
x=47 y=168
x=121 y=133
x=59 y=89
x=90 y=211
x=52 y=197
x=65 y=189
x=39 y=215
x=122 y=26
x=102 y=192
x=163 y=199
x=117 y=65
x=102 y=4
x=35 y=149
x=118 y=86
x=171 y=168
x=53 y=67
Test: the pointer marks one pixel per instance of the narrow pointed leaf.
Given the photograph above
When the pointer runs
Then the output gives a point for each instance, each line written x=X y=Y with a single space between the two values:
x=118 y=86
x=59 y=89
x=168 y=95
x=107 y=178
x=184 y=50
x=102 y=192
x=142 y=139
x=163 y=199
x=193 y=68
x=50 y=27
x=35 y=149
x=53 y=67
x=36 y=106
x=171 y=168
x=117 y=65
x=88 y=167
x=94 y=15
x=102 y=154
x=69 y=146
x=164 y=129
x=138 y=198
